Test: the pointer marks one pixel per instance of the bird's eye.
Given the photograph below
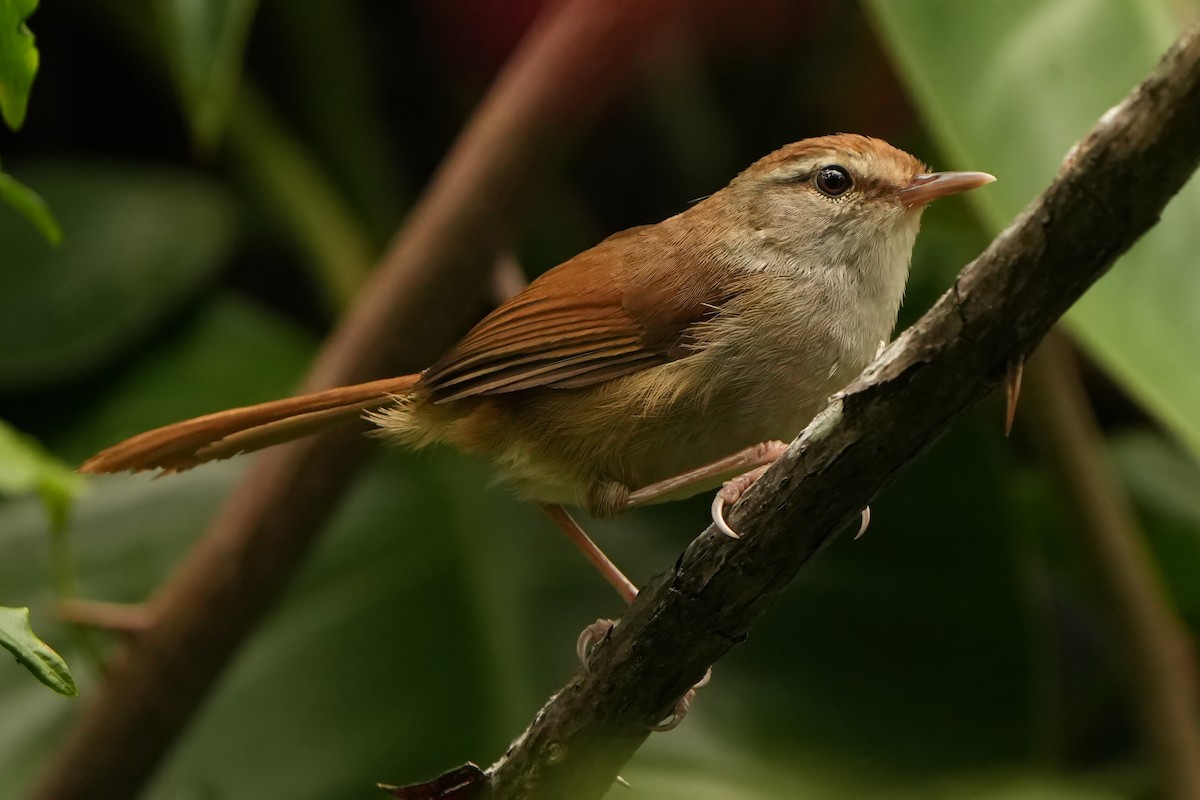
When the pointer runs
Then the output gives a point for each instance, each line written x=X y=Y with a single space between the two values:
x=833 y=180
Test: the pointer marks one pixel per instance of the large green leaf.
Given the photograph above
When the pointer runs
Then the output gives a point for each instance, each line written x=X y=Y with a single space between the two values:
x=141 y=240
x=18 y=60
x=1008 y=87
x=18 y=638
x=204 y=40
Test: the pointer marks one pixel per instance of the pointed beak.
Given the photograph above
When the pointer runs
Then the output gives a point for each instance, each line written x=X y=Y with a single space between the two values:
x=927 y=188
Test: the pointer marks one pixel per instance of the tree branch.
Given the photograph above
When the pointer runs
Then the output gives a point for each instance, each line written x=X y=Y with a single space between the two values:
x=1111 y=189
x=577 y=53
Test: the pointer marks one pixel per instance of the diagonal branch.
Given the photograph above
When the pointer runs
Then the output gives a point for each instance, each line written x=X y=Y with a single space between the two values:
x=576 y=54
x=1110 y=191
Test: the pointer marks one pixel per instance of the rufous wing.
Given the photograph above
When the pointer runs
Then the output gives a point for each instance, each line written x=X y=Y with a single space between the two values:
x=609 y=311
x=625 y=305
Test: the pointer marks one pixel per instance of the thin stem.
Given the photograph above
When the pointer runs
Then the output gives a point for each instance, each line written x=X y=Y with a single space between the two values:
x=1158 y=652
x=328 y=233
x=65 y=576
x=592 y=552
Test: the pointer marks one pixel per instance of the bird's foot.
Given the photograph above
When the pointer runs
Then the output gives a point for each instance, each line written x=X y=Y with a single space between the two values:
x=591 y=636
x=596 y=633
x=729 y=494
x=681 y=706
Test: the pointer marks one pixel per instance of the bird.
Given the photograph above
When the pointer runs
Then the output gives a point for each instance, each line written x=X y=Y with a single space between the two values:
x=666 y=360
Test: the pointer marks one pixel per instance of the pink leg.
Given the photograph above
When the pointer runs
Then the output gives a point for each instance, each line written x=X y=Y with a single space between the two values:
x=594 y=554
x=596 y=632
x=758 y=455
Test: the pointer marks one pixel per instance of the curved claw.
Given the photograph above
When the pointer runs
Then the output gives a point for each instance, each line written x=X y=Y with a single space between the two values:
x=735 y=488
x=591 y=636
x=680 y=711
x=681 y=707
x=718 y=517
x=865 y=523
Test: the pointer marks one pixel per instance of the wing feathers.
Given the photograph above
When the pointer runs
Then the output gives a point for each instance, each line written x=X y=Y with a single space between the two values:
x=513 y=377
x=603 y=314
x=482 y=366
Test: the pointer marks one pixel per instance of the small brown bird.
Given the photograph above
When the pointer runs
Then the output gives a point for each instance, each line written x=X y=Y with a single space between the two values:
x=657 y=364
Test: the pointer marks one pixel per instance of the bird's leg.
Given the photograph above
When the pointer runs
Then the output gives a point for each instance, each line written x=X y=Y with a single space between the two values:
x=591 y=551
x=756 y=459
x=762 y=454
x=596 y=632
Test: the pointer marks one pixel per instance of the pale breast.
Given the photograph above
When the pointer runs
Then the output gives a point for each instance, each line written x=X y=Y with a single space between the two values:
x=760 y=370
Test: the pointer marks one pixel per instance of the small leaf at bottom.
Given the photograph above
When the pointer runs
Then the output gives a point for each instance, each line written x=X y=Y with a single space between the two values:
x=19 y=639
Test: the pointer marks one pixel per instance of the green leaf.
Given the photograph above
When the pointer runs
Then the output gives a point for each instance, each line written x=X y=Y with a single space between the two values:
x=205 y=40
x=1008 y=88
x=27 y=202
x=17 y=637
x=25 y=467
x=18 y=60
x=142 y=240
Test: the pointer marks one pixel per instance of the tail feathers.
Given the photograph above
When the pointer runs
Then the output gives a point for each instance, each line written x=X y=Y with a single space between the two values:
x=183 y=445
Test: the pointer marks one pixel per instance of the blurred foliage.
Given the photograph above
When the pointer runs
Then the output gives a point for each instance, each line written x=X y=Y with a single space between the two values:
x=142 y=240
x=18 y=67
x=26 y=468
x=214 y=221
x=204 y=43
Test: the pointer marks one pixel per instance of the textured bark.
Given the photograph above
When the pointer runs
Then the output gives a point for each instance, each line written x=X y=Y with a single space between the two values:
x=1110 y=191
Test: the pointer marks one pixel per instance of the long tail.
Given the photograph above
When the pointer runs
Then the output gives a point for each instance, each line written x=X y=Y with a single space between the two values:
x=183 y=445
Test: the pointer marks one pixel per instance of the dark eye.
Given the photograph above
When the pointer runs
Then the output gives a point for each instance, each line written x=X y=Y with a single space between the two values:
x=834 y=180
